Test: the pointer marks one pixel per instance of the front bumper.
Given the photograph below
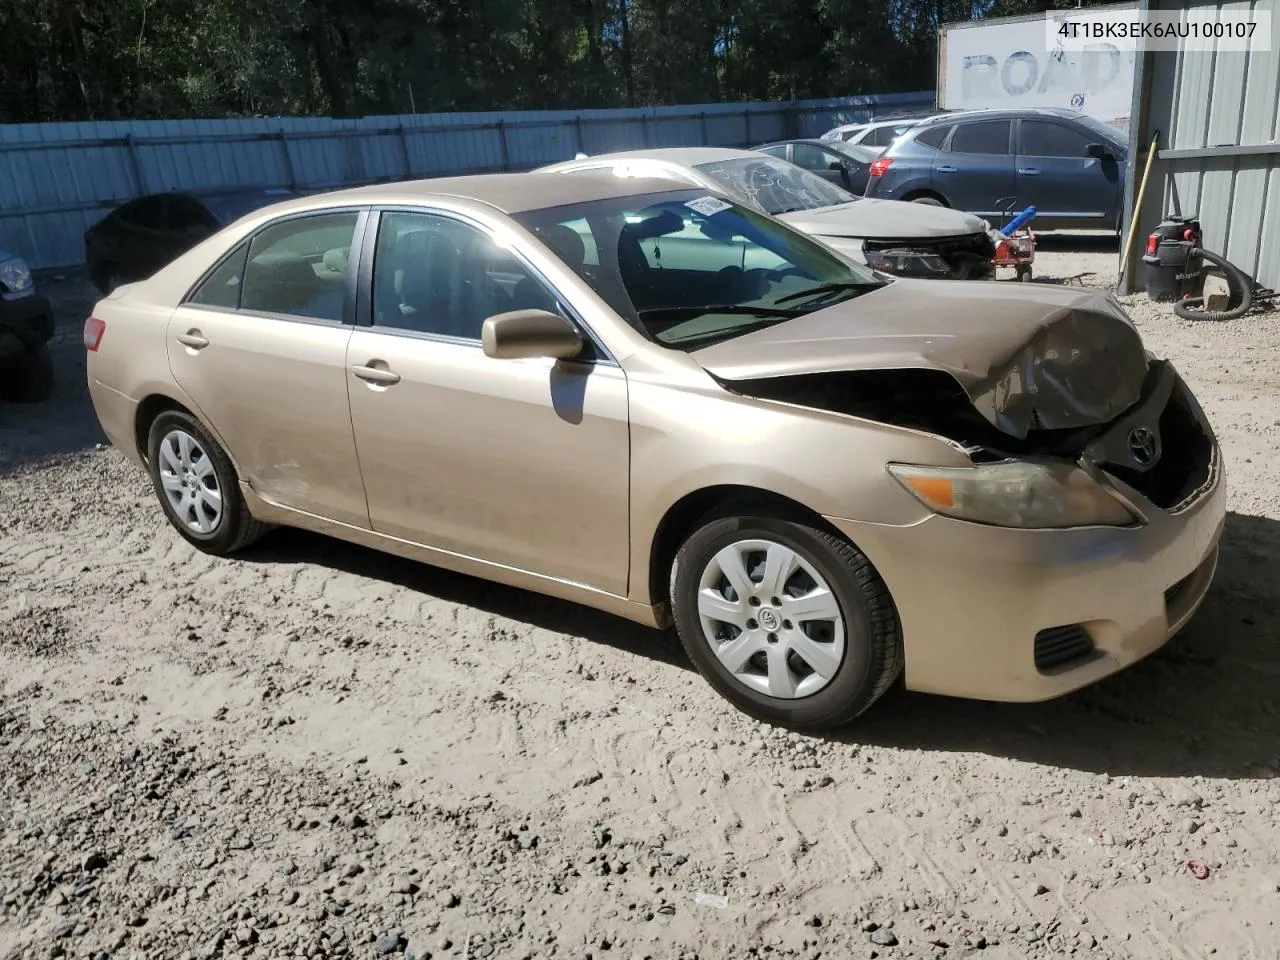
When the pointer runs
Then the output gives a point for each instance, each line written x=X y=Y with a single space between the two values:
x=25 y=323
x=971 y=599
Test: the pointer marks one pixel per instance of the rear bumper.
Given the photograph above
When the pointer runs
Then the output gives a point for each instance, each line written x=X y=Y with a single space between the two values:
x=117 y=415
x=971 y=599
x=25 y=323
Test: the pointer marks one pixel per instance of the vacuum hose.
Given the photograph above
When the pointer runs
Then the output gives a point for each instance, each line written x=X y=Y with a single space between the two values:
x=1240 y=286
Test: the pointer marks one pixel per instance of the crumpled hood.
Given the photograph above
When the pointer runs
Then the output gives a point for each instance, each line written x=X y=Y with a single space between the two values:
x=884 y=220
x=1047 y=357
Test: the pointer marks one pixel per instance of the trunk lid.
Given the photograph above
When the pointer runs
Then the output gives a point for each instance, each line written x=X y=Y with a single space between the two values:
x=1045 y=358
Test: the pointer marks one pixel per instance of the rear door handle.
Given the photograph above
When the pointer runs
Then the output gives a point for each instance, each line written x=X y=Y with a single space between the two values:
x=945 y=169
x=193 y=339
x=1029 y=171
x=379 y=375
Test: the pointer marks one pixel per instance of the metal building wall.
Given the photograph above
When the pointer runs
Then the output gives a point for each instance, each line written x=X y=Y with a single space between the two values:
x=1218 y=116
x=57 y=179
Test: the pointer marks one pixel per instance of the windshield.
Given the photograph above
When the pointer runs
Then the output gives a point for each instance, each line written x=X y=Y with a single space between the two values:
x=688 y=269
x=773 y=185
x=1110 y=131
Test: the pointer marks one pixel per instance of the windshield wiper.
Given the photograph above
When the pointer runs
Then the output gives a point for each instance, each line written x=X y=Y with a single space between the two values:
x=729 y=308
x=709 y=337
x=858 y=285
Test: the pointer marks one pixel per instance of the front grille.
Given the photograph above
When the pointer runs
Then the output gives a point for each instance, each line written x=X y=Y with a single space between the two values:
x=1186 y=457
x=967 y=256
x=1058 y=646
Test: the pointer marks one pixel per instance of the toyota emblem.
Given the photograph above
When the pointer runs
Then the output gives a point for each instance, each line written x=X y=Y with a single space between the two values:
x=1144 y=446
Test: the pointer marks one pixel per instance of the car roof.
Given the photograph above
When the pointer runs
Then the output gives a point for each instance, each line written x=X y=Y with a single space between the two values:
x=508 y=192
x=687 y=156
x=999 y=113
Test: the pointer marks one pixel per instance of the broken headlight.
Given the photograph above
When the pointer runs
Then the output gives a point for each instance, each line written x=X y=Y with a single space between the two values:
x=1016 y=493
x=907 y=262
x=15 y=276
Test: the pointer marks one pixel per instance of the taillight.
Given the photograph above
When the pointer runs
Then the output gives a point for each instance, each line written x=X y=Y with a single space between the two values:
x=93 y=331
x=879 y=166
x=1153 y=244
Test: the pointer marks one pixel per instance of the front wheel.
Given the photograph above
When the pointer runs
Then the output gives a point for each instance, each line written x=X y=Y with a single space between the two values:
x=197 y=486
x=789 y=623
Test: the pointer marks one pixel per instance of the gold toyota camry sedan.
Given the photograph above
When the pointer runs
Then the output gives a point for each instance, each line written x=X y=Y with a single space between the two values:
x=652 y=400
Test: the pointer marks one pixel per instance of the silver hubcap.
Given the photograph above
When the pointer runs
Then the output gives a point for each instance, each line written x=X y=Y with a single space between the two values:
x=771 y=619
x=189 y=482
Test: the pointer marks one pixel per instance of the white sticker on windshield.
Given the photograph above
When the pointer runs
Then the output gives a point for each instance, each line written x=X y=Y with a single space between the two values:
x=707 y=206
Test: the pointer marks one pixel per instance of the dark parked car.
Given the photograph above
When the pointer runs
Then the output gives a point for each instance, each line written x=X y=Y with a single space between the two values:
x=846 y=164
x=26 y=326
x=137 y=238
x=1071 y=167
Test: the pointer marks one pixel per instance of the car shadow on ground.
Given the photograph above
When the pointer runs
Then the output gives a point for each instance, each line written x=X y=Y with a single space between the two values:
x=1077 y=242
x=547 y=613
x=1208 y=704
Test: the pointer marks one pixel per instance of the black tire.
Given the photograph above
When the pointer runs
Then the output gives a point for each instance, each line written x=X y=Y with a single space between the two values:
x=873 y=656
x=928 y=201
x=236 y=528
x=31 y=381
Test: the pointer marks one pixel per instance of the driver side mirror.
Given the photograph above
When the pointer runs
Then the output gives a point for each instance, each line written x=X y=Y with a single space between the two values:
x=1098 y=151
x=521 y=334
x=835 y=165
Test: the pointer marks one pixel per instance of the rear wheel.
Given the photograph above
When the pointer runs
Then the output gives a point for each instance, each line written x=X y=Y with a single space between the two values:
x=928 y=201
x=31 y=381
x=789 y=623
x=197 y=485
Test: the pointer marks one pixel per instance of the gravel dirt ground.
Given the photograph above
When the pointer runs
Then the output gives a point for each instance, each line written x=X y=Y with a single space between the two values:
x=319 y=751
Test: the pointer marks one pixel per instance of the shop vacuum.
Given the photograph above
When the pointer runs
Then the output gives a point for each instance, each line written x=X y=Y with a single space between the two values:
x=1176 y=270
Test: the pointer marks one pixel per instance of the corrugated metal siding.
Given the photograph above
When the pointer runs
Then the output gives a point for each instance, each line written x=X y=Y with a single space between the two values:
x=1201 y=100
x=57 y=179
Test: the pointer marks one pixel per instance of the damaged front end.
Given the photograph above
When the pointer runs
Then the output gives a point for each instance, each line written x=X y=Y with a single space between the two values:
x=1161 y=445
x=950 y=258
x=1001 y=374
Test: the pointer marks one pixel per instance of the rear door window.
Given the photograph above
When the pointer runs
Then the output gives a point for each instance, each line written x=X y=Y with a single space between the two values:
x=810 y=157
x=882 y=136
x=934 y=137
x=1044 y=138
x=222 y=287
x=984 y=137
x=298 y=267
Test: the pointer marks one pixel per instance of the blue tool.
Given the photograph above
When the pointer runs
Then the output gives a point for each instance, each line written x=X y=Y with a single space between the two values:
x=1012 y=227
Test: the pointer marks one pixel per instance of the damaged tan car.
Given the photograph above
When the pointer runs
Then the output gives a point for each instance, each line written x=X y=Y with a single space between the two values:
x=658 y=402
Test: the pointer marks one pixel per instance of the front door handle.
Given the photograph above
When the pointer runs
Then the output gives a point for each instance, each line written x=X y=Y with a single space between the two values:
x=1029 y=171
x=945 y=169
x=379 y=375
x=193 y=339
